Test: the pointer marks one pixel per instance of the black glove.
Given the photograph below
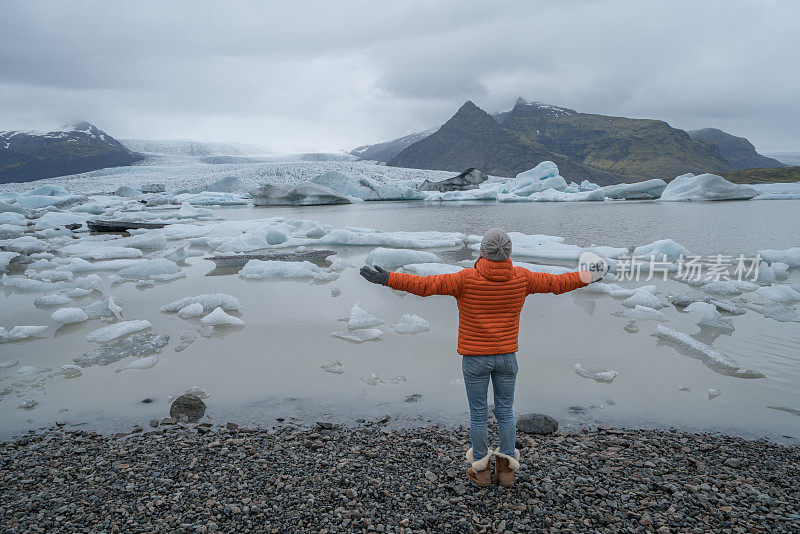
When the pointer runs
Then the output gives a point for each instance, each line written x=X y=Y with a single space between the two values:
x=378 y=275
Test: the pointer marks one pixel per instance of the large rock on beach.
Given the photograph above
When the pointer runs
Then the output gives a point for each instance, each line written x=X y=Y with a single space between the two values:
x=189 y=406
x=537 y=423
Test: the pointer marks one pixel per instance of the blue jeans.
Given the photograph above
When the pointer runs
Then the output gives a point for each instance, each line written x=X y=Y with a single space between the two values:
x=502 y=369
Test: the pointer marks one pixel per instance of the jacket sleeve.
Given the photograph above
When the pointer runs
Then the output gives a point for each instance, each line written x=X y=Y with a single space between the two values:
x=554 y=283
x=424 y=286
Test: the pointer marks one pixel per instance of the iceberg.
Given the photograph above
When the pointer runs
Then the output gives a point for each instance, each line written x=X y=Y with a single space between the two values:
x=554 y=195
x=88 y=282
x=32 y=286
x=398 y=192
x=10 y=217
x=77 y=265
x=95 y=251
x=542 y=177
x=711 y=357
x=219 y=318
x=302 y=194
x=648 y=189
x=363 y=188
x=5 y=207
x=127 y=191
x=18 y=333
x=5 y=259
x=705 y=187
x=139 y=345
x=51 y=301
x=368 y=237
x=662 y=249
x=782 y=294
x=149 y=240
x=209 y=301
x=191 y=311
x=142 y=363
x=728 y=287
x=24 y=245
x=360 y=318
x=643 y=297
x=69 y=315
x=148 y=268
x=53 y=219
x=117 y=330
x=710 y=316
x=789 y=256
x=258 y=270
x=186 y=211
x=642 y=313
x=411 y=324
x=598 y=375
x=392 y=258
x=359 y=336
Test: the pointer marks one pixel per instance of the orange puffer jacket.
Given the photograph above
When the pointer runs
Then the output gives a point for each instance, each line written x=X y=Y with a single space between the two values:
x=490 y=298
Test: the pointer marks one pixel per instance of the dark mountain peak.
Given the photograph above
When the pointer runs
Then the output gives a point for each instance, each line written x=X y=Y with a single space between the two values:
x=471 y=117
x=737 y=150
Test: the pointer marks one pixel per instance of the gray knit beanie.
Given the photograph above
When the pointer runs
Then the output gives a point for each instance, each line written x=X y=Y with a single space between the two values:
x=496 y=245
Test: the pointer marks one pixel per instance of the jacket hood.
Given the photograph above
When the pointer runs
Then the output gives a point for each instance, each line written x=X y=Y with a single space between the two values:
x=496 y=271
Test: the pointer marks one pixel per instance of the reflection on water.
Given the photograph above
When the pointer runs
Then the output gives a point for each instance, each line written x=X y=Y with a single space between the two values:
x=285 y=364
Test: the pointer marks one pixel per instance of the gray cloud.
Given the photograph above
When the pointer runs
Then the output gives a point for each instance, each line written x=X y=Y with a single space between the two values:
x=330 y=75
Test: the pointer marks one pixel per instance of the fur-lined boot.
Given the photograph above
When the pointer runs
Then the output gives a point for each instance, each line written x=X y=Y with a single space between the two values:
x=480 y=472
x=504 y=467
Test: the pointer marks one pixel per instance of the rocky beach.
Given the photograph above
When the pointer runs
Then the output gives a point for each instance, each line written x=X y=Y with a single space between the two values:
x=371 y=477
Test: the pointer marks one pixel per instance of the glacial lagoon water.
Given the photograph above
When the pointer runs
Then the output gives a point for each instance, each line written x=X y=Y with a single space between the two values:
x=272 y=367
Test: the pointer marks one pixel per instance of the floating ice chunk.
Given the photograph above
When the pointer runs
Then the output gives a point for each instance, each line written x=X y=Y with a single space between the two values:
x=610 y=289
x=362 y=188
x=18 y=333
x=343 y=236
x=711 y=357
x=710 y=317
x=80 y=265
x=5 y=259
x=114 y=307
x=705 y=187
x=51 y=301
x=713 y=393
x=631 y=327
x=427 y=269
x=127 y=191
x=9 y=217
x=43 y=201
x=360 y=318
x=302 y=194
x=663 y=248
x=28 y=404
x=782 y=313
x=391 y=258
x=144 y=284
x=69 y=315
x=32 y=286
x=52 y=276
x=359 y=336
x=92 y=208
x=543 y=176
x=373 y=379
x=209 y=301
x=335 y=367
x=728 y=287
x=53 y=219
x=335 y=291
x=779 y=269
x=153 y=267
x=643 y=297
x=5 y=207
x=783 y=294
x=258 y=269
x=152 y=240
x=681 y=300
x=338 y=265
x=88 y=282
x=24 y=245
x=598 y=375
x=141 y=364
x=554 y=195
x=117 y=330
x=789 y=256
x=8 y=364
x=253 y=240
x=219 y=318
x=643 y=313
x=411 y=324
x=197 y=391
x=186 y=211
x=100 y=251
x=191 y=311
x=139 y=345
x=648 y=189
x=187 y=337
x=398 y=192
x=68 y=371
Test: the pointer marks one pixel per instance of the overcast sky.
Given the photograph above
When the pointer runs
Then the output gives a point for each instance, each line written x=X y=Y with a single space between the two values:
x=331 y=75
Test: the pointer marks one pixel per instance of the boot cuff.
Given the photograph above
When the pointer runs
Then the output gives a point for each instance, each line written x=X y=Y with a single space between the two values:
x=513 y=463
x=481 y=464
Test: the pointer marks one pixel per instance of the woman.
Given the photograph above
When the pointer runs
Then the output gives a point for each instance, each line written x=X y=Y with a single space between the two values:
x=490 y=298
